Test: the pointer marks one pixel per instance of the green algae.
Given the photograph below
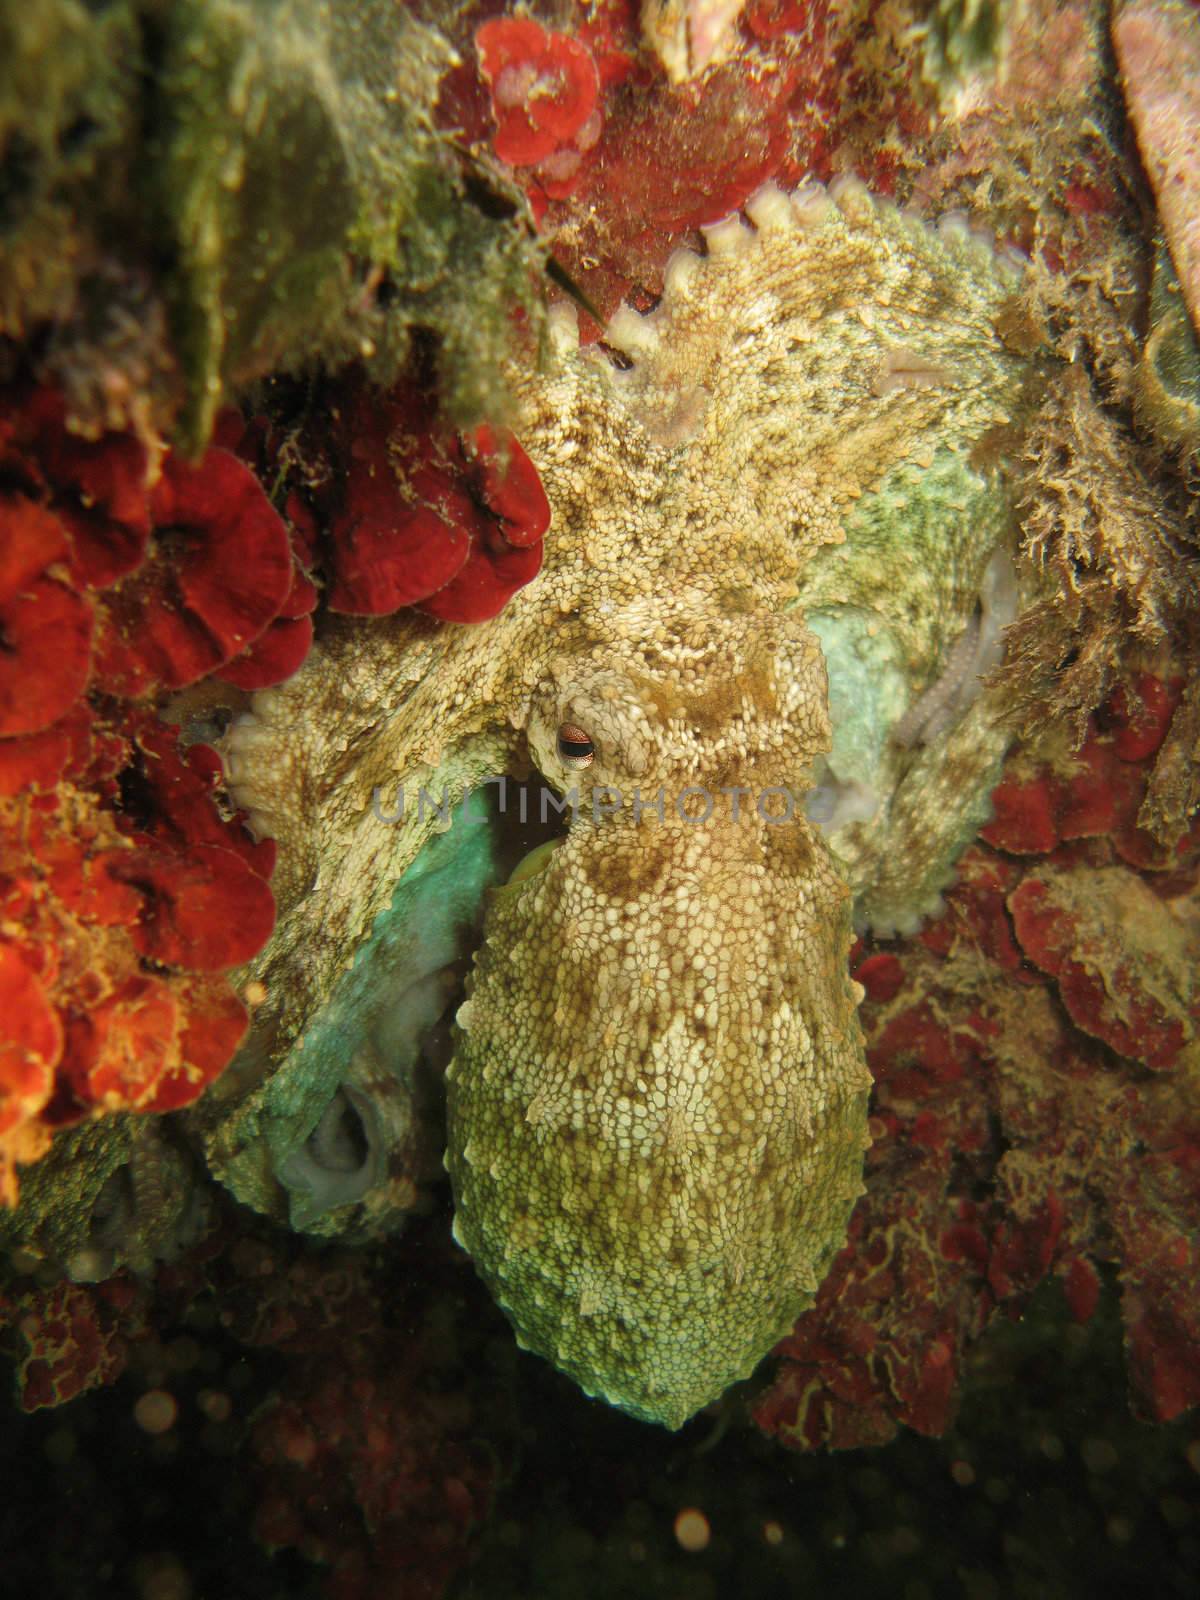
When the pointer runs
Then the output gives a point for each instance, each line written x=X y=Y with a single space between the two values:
x=960 y=39
x=69 y=97
x=271 y=169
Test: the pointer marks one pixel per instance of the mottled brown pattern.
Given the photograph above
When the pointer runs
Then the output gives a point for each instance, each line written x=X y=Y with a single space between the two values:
x=657 y=1105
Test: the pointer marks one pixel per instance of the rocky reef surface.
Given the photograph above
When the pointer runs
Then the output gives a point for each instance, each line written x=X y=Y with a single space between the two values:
x=286 y=299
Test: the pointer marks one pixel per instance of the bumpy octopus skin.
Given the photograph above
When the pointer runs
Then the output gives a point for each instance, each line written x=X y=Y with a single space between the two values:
x=657 y=1102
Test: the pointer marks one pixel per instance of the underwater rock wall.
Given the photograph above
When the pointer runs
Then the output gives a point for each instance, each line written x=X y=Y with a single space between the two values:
x=232 y=422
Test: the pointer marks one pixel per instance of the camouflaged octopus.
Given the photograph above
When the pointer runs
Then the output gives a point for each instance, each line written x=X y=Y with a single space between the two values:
x=774 y=575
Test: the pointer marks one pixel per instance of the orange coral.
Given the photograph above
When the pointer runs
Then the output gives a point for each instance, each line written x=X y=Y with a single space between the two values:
x=46 y=626
x=99 y=1030
x=123 y=894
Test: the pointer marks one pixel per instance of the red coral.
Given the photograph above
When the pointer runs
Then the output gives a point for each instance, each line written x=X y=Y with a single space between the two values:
x=218 y=585
x=96 y=488
x=1023 y=819
x=609 y=29
x=281 y=650
x=1022 y=1249
x=453 y=524
x=510 y=515
x=1162 y=1321
x=1124 y=967
x=881 y=975
x=183 y=575
x=1008 y=1146
x=214 y=1024
x=1139 y=714
x=220 y=573
x=654 y=159
x=74 y=1341
x=1081 y=1284
x=1097 y=792
x=394 y=540
x=33 y=539
x=769 y=19
x=152 y=1044
x=31 y=1045
x=133 y=1042
x=170 y=798
x=977 y=909
x=40 y=760
x=205 y=910
x=190 y=891
x=544 y=89
x=46 y=627
x=283 y=647
x=368 y=1461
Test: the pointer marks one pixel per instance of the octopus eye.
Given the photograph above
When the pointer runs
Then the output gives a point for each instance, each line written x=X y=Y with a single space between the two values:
x=575 y=749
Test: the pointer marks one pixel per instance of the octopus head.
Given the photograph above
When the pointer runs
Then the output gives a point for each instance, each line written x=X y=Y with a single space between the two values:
x=656 y=1108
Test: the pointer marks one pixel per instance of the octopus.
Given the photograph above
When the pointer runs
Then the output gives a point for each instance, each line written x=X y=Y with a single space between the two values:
x=745 y=691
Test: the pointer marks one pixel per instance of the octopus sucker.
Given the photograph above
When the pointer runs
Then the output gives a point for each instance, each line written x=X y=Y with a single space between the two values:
x=747 y=681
